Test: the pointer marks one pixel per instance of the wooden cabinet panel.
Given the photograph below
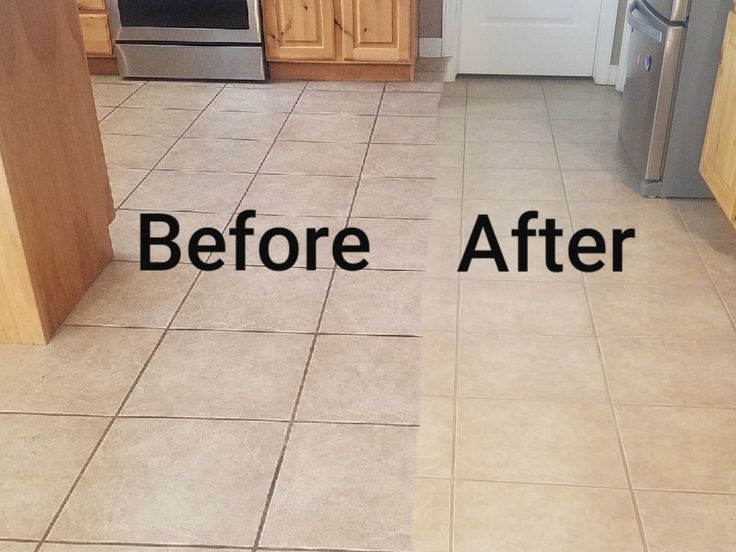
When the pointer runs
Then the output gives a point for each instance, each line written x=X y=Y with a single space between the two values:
x=91 y=4
x=299 y=29
x=718 y=163
x=376 y=30
x=96 y=33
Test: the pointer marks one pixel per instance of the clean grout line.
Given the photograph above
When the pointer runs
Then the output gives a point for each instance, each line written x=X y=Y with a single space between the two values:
x=305 y=373
x=591 y=314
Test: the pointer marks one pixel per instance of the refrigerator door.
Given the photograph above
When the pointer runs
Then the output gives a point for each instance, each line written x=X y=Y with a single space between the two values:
x=675 y=11
x=654 y=60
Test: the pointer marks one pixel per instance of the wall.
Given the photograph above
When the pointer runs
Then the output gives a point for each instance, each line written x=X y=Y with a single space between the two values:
x=619 y=31
x=430 y=18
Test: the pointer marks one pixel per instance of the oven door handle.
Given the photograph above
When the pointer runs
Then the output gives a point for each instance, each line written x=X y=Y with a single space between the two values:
x=638 y=21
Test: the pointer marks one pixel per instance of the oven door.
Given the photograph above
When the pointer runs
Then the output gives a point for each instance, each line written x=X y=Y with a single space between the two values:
x=186 y=21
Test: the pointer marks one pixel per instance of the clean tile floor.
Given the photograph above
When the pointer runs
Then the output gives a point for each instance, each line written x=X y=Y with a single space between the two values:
x=255 y=410
x=562 y=412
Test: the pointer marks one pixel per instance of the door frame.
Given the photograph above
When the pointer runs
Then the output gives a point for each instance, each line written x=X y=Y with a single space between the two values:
x=602 y=68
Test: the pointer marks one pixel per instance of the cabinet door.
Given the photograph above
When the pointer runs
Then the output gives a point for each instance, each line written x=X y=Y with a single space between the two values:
x=376 y=30
x=91 y=4
x=718 y=164
x=299 y=29
x=96 y=33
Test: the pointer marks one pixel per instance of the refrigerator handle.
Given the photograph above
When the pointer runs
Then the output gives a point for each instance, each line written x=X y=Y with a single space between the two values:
x=638 y=22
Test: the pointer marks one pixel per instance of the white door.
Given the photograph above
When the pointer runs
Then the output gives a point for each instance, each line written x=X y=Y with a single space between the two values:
x=528 y=37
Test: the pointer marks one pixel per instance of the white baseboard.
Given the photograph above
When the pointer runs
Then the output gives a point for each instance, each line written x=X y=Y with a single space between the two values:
x=608 y=78
x=430 y=47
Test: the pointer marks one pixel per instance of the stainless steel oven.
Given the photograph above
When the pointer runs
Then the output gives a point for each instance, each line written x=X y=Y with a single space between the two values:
x=190 y=39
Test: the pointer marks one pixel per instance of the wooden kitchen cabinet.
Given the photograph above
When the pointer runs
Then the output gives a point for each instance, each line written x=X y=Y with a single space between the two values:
x=341 y=39
x=718 y=163
x=98 y=43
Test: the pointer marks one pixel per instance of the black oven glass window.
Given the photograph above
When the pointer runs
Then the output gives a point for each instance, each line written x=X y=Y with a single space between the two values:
x=186 y=14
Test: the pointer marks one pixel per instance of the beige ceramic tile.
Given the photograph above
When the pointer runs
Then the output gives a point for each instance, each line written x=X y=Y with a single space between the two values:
x=459 y=88
x=577 y=89
x=435 y=441
x=449 y=154
x=569 y=130
x=511 y=155
x=238 y=125
x=112 y=94
x=222 y=375
x=135 y=152
x=508 y=130
x=279 y=249
x=124 y=181
x=42 y=456
x=148 y=122
x=400 y=160
x=215 y=155
x=609 y=156
x=437 y=364
x=273 y=84
x=123 y=295
x=259 y=100
x=413 y=103
x=720 y=258
x=81 y=371
x=538 y=442
x=313 y=158
x=530 y=367
x=443 y=256
x=652 y=219
x=504 y=215
x=103 y=112
x=310 y=127
x=416 y=86
x=395 y=244
x=451 y=130
x=173 y=96
x=505 y=87
x=687 y=522
x=360 y=475
x=602 y=185
x=364 y=103
x=255 y=299
x=406 y=130
x=452 y=107
x=524 y=308
x=448 y=182
x=659 y=311
x=516 y=184
x=681 y=373
x=582 y=109
x=705 y=220
x=654 y=262
x=362 y=379
x=125 y=232
x=679 y=448
x=432 y=516
x=53 y=547
x=346 y=86
x=203 y=493
x=394 y=198
x=543 y=517
x=439 y=304
x=307 y=195
x=374 y=302
x=190 y=191
x=10 y=546
x=506 y=108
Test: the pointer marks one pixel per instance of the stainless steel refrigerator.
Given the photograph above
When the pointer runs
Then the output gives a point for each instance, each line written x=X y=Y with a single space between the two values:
x=673 y=60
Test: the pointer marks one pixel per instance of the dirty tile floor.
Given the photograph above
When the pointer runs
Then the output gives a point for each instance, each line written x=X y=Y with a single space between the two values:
x=562 y=412
x=255 y=410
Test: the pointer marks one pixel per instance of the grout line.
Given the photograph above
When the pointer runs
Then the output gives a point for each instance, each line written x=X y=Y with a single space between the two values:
x=305 y=373
x=591 y=314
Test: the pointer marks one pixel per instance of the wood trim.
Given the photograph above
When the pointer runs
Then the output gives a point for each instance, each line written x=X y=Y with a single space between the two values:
x=102 y=65
x=341 y=71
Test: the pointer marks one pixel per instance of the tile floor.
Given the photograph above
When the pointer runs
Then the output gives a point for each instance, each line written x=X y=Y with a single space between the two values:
x=255 y=410
x=562 y=412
